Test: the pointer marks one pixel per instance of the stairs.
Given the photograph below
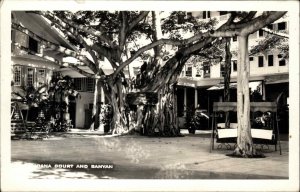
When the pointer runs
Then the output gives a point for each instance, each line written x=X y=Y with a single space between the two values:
x=18 y=124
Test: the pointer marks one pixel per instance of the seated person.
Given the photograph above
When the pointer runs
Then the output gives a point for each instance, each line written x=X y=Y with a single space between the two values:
x=263 y=121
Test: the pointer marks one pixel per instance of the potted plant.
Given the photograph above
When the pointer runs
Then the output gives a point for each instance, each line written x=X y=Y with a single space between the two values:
x=60 y=91
x=106 y=116
x=189 y=121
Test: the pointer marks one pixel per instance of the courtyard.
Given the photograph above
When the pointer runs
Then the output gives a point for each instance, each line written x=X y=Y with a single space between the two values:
x=98 y=156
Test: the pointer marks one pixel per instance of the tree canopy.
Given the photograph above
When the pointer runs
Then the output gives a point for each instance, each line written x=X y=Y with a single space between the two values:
x=111 y=34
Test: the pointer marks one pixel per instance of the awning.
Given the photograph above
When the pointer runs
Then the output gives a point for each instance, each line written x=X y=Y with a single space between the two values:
x=275 y=79
x=33 y=61
x=74 y=74
x=253 y=85
x=196 y=82
x=221 y=86
x=186 y=82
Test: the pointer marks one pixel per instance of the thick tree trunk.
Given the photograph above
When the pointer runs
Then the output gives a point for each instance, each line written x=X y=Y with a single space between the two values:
x=95 y=111
x=244 y=139
x=227 y=70
x=160 y=119
x=118 y=123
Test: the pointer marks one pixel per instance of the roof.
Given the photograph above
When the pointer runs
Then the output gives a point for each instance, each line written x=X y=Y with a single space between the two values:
x=38 y=25
x=33 y=61
x=218 y=83
x=75 y=74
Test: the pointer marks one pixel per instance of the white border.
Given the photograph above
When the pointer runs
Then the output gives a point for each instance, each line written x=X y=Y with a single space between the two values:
x=11 y=182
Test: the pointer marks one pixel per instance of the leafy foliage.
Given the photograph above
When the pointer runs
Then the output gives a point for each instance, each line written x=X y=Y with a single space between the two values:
x=179 y=23
x=112 y=33
x=271 y=42
x=31 y=96
x=106 y=114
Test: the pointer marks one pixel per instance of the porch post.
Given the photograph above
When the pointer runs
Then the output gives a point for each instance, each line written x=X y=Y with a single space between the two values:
x=263 y=86
x=184 y=102
x=196 y=97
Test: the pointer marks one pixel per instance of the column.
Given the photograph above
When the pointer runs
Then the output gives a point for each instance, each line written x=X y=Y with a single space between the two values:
x=263 y=86
x=196 y=97
x=184 y=101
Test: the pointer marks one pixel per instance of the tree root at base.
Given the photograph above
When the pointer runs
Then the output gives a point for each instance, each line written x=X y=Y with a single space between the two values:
x=243 y=153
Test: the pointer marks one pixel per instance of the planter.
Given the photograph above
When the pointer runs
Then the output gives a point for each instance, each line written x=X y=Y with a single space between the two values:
x=192 y=131
x=106 y=128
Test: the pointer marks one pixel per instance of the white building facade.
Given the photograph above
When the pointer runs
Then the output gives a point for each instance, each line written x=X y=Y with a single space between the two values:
x=268 y=70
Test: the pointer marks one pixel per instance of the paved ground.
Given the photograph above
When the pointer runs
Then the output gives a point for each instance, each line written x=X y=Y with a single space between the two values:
x=137 y=157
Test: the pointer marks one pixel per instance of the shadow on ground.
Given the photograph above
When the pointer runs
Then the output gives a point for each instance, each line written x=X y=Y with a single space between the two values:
x=135 y=157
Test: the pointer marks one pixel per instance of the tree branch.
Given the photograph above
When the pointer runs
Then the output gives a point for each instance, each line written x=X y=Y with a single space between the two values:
x=142 y=15
x=258 y=22
x=108 y=53
x=200 y=36
x=122 y=34
x=250 y=15
x=283 y=35
x=262 y=22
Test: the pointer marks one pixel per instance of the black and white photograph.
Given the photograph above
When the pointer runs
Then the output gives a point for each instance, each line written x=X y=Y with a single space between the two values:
x=149 y=96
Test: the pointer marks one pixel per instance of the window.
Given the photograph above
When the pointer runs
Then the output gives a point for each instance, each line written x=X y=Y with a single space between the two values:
x=222 y=70
x=260 y=33
x=270 y=26
x=84 y=84
x=234 y=38
x=77 y=84
x=251 y=58
x=206 y=69
x=206 y=14
x=17 y=75
x=30 y=76
x=260 y=61
x=33 y=45
x=234 y=65
x=189 y=72
x=181 y=17
x=270 y=60
x=281 y=60
x=198 y=72
x=90 y=84
x=132 y=52
x=41 y=77
x=223 y=12
x=189 y=15
x=281 y=26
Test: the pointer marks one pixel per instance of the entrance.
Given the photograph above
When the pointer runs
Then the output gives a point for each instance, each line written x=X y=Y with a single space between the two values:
x=72 y=111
